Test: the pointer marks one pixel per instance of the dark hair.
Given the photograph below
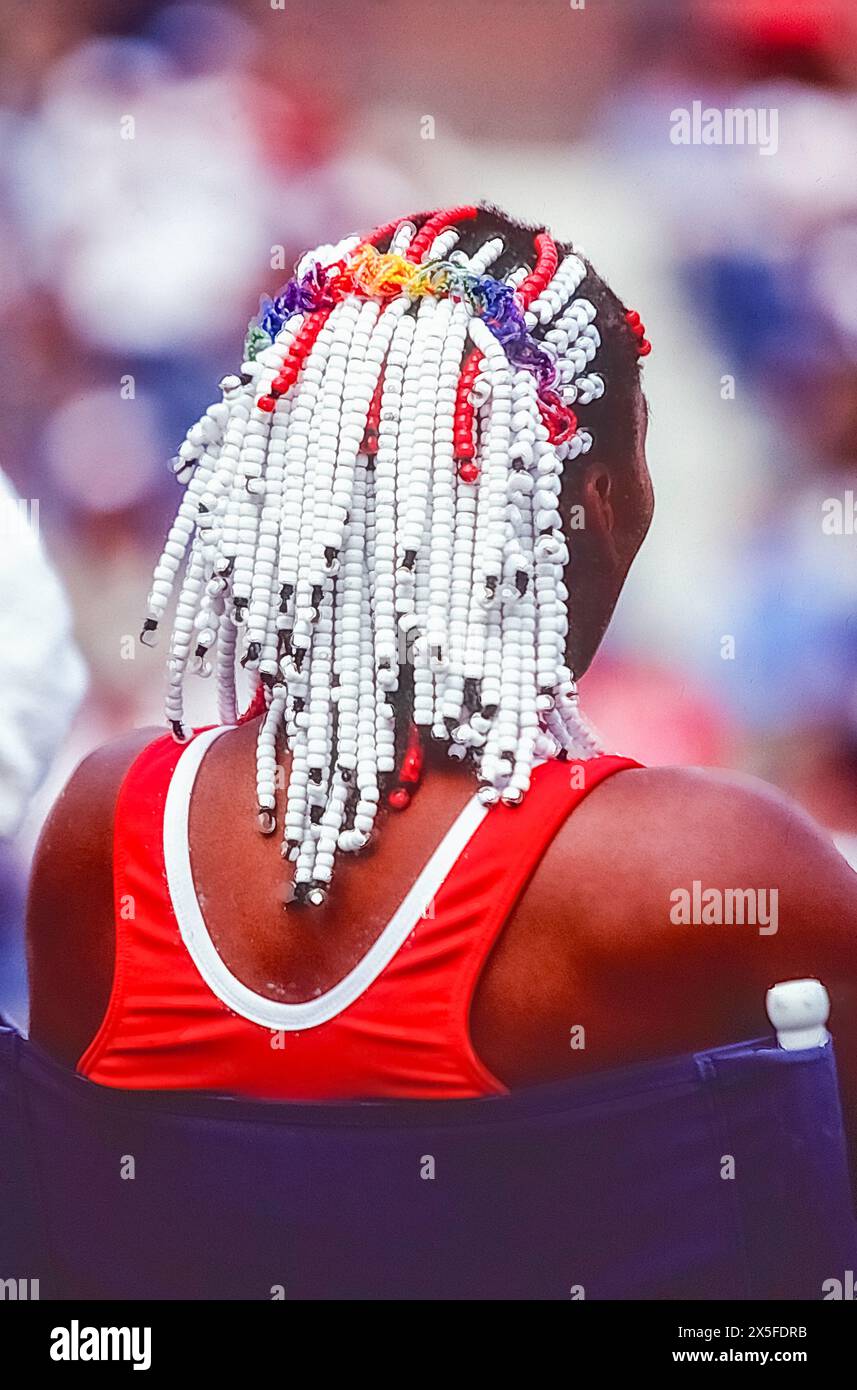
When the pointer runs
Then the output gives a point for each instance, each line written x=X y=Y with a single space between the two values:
x=613 y=420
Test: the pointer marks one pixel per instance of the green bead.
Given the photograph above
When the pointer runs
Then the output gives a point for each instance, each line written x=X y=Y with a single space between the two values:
x=255 y=342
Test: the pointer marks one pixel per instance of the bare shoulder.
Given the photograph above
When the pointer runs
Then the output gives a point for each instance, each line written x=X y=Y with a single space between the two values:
x=663 y=910
x=84 y=808
x=656 y=830
x=70 y=904
x=708 y=796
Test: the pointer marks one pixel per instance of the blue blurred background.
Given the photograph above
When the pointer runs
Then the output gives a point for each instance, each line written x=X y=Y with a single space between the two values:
x=161 y=163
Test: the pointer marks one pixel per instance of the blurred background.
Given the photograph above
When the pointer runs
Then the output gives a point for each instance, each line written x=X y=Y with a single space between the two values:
x=162 y=164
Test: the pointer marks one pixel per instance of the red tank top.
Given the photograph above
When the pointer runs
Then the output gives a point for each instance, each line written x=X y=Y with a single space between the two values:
x=396 y=1026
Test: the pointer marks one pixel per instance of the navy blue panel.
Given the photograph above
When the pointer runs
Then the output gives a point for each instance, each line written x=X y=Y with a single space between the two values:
x=613 y=1183
x=24 y=1254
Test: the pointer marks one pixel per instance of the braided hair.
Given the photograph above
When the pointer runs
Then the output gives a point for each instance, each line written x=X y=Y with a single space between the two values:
x=371 y=524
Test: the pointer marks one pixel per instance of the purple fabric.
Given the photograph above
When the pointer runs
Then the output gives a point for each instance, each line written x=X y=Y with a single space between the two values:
x=613 y=1183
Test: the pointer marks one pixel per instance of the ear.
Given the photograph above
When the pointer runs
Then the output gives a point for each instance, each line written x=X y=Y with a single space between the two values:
x=597 y=497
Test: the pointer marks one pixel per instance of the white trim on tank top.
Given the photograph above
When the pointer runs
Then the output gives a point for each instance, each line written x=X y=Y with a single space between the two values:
x=271 y=1013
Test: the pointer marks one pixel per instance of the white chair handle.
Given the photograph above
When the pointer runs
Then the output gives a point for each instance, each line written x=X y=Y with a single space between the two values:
x=799 y=1010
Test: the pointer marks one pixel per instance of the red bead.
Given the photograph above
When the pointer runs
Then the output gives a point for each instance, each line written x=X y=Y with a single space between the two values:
x=384 y=233
x=266 y=403
x=374 y=416
x=435 y=224
x=468 y=472
x=645 y=348
x=412 y=765
x=399 y=799
x=546 y=264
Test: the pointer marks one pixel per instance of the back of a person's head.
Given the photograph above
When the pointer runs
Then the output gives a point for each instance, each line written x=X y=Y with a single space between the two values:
x=378 y=518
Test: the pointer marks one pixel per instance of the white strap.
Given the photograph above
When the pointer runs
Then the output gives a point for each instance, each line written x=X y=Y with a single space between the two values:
x=270 y=1013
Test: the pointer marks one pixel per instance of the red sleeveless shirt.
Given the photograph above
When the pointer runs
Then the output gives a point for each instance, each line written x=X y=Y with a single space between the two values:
x=396 y=1026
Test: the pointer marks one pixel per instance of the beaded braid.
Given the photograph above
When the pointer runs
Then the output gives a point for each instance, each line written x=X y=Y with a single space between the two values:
x=371 y=526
